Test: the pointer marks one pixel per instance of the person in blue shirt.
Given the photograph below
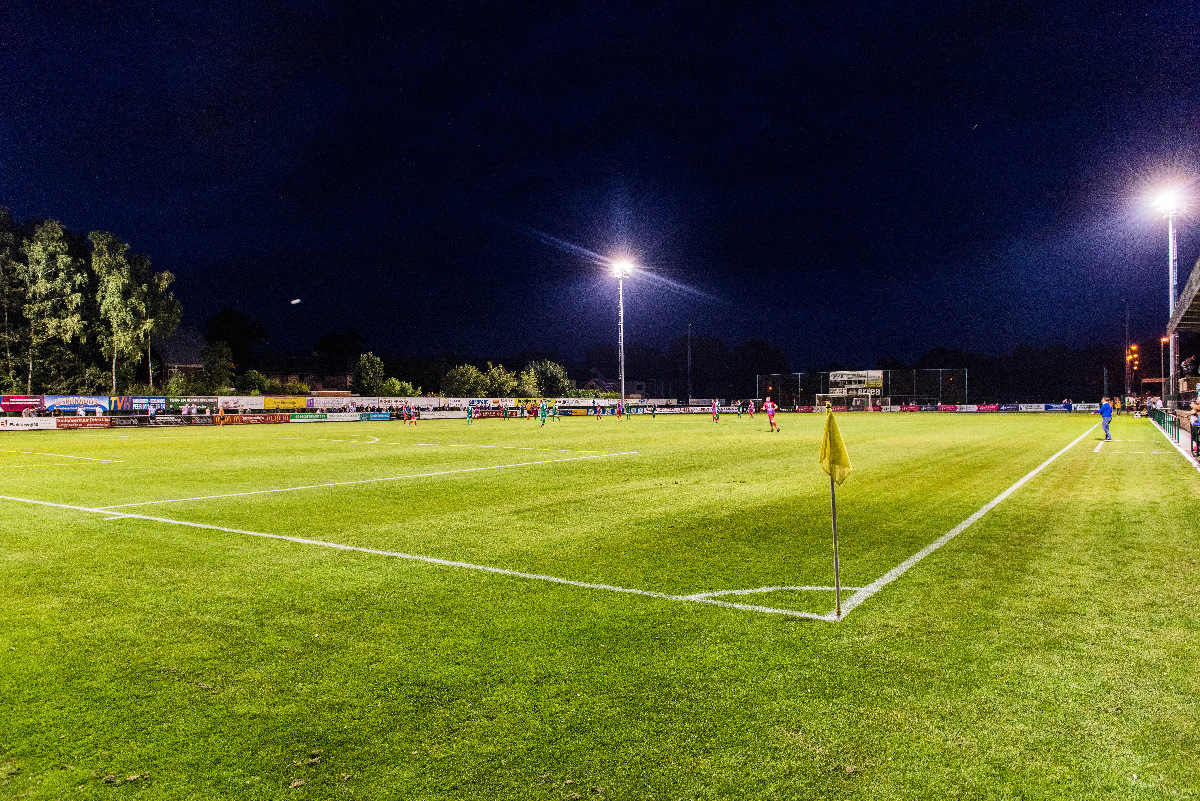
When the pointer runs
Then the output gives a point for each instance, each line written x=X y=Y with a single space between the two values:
x=1106 y=413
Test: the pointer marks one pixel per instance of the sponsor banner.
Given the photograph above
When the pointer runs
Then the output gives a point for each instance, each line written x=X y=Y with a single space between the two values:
x=126 y=403
x=806 y=408
x=284 y=402
x=19 y=403
x=927 y=407
x=71 y=403
x=246 y=419
x=188 y=400
x=1032 y=407
x=855 y=380
x=839 y=408
x=199 y=420
x=1058 y=407
x=83 y=422
x=129 y=421
x=460 y=414
x=341 y=417
x=910 y=407
x=947 y=407
x=967 y=407
x=891 y=408
x=1009 y=407
x=240 y=402
x=987 y=407
x=1085 y=407
x=388 y=415
x=27 y=423
x=307 y=418
x=167 y=420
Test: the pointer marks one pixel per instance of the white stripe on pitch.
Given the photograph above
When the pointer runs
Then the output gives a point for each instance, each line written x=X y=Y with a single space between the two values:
x=364 y=481
x=896 y=572
x=429 y=560
x=63 y=456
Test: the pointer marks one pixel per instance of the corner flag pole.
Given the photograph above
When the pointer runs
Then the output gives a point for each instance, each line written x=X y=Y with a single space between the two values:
x=836 y=462
x=837 y=575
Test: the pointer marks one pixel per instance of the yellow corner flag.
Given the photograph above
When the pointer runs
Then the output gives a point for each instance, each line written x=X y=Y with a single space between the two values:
x=834 y=459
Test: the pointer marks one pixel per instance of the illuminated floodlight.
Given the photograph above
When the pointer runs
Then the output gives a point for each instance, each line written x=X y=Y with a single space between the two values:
x=1169 y=201
x=622 y=268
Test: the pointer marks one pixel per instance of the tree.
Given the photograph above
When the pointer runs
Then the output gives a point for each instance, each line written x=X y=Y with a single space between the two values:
x=120 y=298
x=395 y=388
x=251 y=382
x=161 y=312
x=368 y=374
x=10 y=296
x=464 y=381
x=239 y=331
x=52 y=281
x=500 y=382
x=218 y=367
x=548 y=378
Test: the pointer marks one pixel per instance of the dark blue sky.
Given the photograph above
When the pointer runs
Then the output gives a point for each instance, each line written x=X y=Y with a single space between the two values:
x=854 y=181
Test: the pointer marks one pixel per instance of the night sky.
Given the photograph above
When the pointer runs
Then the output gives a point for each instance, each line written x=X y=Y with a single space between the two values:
x=855 y=181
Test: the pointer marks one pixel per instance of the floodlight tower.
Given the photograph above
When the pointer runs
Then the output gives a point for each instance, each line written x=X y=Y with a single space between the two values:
x=1170 y=203
x=621 y=269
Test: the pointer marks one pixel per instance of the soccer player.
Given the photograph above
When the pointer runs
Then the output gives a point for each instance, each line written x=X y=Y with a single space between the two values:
x=750 y=408
x=554 y=411
x=1106 y=413
x=596 y=408
x=716 y=411
x=470 y=415
x=543 y=410
x=620 y=408
x=653 y=411
x=770 y=408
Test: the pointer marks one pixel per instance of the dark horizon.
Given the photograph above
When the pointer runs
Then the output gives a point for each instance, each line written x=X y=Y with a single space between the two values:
x=846 y=188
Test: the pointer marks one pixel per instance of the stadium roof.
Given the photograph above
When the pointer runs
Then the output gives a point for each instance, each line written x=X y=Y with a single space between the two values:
x=1187 y=309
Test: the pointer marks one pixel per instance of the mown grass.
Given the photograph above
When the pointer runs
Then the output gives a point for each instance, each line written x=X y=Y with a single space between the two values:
x=1050 y=651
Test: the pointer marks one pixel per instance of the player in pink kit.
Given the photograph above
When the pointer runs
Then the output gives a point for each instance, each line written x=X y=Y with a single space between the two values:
x=770 y=408
x=750 y=408
x=716 y=411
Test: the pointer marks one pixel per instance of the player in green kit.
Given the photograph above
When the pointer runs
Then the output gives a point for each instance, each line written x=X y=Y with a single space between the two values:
x=470 y=415
x=543 y=410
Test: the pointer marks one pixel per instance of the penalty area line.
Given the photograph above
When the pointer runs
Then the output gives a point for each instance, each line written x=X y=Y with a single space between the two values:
x=430 y=560
x=896 y=572
x=366 y=480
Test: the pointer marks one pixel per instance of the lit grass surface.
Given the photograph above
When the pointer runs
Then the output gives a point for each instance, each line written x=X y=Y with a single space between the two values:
x=1050 y=651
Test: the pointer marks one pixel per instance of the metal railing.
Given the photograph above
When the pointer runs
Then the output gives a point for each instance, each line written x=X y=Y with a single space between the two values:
x=1168 y=422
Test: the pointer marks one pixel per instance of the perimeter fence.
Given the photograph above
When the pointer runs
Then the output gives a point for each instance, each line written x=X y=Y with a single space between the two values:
x=936 y=386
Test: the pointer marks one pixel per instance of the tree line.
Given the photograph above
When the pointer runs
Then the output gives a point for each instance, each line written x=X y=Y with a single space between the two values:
x=77 y=313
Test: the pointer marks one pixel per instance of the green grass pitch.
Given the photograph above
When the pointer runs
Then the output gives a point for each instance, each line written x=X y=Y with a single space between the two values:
x=1050 y=650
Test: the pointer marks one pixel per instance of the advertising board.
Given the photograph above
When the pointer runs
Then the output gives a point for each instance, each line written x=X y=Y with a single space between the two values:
x=167 y=420
x=19 y=403
x=967 y=407
x=285 y=402
x=1058 y=407
x=459 y=414
x=129 y=421
x=806 y=408
x=947 y=407
x=1085 y=407
x=240 y=402
x=381 y=416
x=341 y=417
x=310 y=417
x=71 y=403
x=127 y=403
x=987 y=407
x=83 y=422
x=26 y=423
x=1032 y=407
x=1009 y=407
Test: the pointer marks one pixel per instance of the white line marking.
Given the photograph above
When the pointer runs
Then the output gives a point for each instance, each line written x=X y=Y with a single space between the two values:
x=896 y=572
x=43 y=464
x=63 y=456
x=1176 y=445
x=757 y=590
x=365 y=480
x=432 y=560
x=1101 y=445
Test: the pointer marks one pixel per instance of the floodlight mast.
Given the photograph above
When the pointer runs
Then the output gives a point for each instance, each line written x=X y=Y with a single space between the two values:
x=1170 y=203
x=621 y=269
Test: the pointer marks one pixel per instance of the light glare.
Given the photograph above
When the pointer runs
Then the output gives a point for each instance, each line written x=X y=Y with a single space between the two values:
x=1169 y=201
